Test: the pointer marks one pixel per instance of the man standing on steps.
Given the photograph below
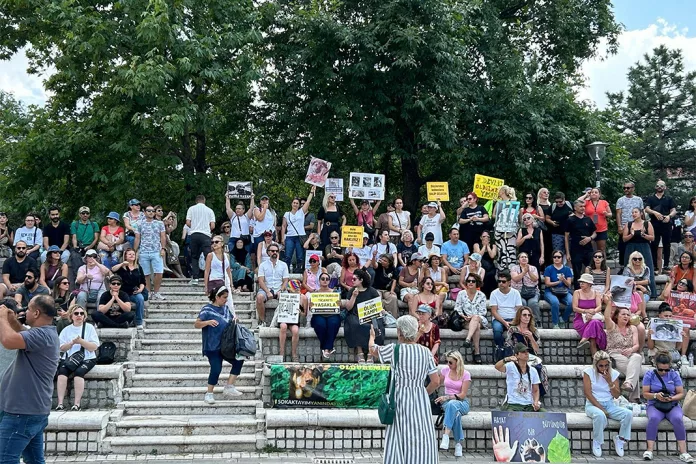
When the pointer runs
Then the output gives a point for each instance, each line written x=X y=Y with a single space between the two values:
x=273 y=278
x=27 y=387
x=661 y=209
x=150 y=238
x=624 y=206
x=201 y=222
x=580 y=231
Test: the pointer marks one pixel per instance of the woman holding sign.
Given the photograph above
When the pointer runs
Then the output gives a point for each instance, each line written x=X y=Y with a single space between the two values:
x=357 y=333
x=506 y=227
x=325 y=324
x=330 y=219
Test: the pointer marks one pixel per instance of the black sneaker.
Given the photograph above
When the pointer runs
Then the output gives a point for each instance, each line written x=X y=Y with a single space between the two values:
x=467 y=344
x=76 y=407
x=60 y=407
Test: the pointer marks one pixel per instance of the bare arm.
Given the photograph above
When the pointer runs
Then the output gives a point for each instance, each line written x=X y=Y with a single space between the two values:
x=9 y=337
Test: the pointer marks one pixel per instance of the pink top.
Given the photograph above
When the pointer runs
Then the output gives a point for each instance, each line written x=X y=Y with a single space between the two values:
x=363 y=217
x=453 y=387
x=348 y=276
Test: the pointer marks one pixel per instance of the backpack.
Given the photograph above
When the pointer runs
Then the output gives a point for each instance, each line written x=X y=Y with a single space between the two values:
x=245 y=342
x=106 y=353
x=228 y=342
x=553 y=207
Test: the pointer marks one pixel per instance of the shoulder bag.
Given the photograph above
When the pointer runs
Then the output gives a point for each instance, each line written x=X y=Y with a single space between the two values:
x=661 y=405
x=76 y=359
x=689 y=407
x=387 y=407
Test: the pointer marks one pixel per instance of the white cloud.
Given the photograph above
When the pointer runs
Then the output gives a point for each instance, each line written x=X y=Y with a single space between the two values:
x=14 y=79
x=609 y=74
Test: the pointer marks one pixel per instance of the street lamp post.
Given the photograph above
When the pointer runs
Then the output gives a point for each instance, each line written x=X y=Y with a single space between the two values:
x=596 y=151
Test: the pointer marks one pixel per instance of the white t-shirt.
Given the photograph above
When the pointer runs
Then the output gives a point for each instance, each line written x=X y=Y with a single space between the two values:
x=239 y=225
x=519 y=390
x=423 y=249
x=432 y=224
x=274 y=275
x=364 y=254
x=200 y=216
x=600 y=388
x=506 y=303
x=692 y=228
x=399 y=220
x=295 y=222
x=268 y=223
x=388 y=249
x=71 y=332
x=31 y=237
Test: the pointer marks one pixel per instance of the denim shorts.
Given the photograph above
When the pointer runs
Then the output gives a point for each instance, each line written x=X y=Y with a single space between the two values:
x=151 y=262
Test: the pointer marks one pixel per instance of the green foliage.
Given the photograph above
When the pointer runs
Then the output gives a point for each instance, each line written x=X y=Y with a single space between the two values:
x=280 y=382
x=355 y=388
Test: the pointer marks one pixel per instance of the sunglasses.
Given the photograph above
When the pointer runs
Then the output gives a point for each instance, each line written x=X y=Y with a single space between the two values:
x=148 y=210
x=451 y=363
x=78 y=314
x=20 y=248
x=682 y=282
x=273 y=251
x=471 y=281
x=664 y=370
x=627 y=188
x=688 y=235
x=637 y=259
x=528 y=198
x=32 y=278
x=216 y=241
x=334 y=237
x=118 y=284
x=557 y=257
x=526 y=315
x=502 y=281
x=598 y=256
x=324 y=279
x=65 y=283
x=84 y=214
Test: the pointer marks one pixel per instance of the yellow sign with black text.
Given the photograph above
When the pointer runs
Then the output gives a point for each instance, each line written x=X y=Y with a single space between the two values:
x=352 y=236
x=325 y=303
x=438 y=191
x=487 y=187
x=370 y=309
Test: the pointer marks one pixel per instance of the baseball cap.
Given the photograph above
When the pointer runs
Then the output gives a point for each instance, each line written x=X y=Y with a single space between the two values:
x=84 y=209
x=432 y=204
x=521 y=348
x=429 y=236
x=53 y=248
x=475 y=257
x=313 y=259
x=416 y=257
x=115 y=278
x=91 y=252
x=365 y=235
x=264 y=197
x=133 y=202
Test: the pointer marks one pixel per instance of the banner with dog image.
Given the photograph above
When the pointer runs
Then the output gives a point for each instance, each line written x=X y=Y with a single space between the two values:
x=666 y=330
x=530 y=436
x=328 y=385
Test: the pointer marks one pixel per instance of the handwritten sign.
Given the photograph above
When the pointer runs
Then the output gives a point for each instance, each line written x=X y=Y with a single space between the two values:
x=288 y=308
x=352 y=236
x=370 y=309
x=487 y=187
x=438 y=191
x=325 y=303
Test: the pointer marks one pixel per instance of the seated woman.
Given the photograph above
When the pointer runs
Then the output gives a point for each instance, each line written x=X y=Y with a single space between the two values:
x=73 y=338
x=680 y=298
x=52 y=268
x=523 y=330
x=404 y=249
x=687 y=244
x=525 y=279
x=438 y=274
x=426 y=296
x=601 y=387
x=428 y=333
x=622 y=346
x=325 y=326
x=358 y=335
x=474 y=267
x=471 y=305
x=312 y=242
x=261 y=253
x=601 y=276
x=350 y=264
x=677 y=350
x=91 y=279
x=489 y=254
x=333 y=253
x=589 y=320
x=63 y=297
x=558 y=280
x=385 y=283
x=663 y=388
x=409 y=277
x=454 y=402
x=683 y=270
x=111 y=240
x=240 y=263
x=310 y=276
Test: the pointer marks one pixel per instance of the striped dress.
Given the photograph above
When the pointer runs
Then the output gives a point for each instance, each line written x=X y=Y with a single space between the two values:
x=411 y=438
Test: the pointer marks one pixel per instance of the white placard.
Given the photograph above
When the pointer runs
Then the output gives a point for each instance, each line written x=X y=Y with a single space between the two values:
x=366 y=186
x=240 y=190
x=288 y=308
x=666 y=330
x=621 y=291
x=335 y=186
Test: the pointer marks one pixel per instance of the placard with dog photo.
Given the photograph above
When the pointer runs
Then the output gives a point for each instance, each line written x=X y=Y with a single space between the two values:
x=666 y=330
x=239 y=190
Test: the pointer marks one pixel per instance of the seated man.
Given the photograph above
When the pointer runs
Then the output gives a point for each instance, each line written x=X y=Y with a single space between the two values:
x=675 y=349
x=14 y=270
x=30 y=288
x=455 y=253
x=522 y=381
x=114 y=309
x=273 y=277
x=504 y=302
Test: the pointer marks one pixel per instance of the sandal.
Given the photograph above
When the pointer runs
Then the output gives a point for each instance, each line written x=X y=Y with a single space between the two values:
x=583 y=344
x=60 y=407
x=467 y=344
x=370 y=360
x=477 y=358
x=295 y=359
x=325 y=354
x=76 y=407
x=627 y=387
x=360 y=358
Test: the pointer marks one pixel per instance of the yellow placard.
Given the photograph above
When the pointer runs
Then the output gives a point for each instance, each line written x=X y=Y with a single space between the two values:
x=370 y=309
x=487 y=187
x=325 y=303
x=438 y=191
x=352 y=236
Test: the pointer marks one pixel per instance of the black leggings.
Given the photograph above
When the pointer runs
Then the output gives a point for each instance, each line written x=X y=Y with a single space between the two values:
x=81 y=371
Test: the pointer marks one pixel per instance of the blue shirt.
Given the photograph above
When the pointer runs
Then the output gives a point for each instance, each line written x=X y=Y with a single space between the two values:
x=455 y=253
x=552 y=273
x=672 y=380
x=212 y=336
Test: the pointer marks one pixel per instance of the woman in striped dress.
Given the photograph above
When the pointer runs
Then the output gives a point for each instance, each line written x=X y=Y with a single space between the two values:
x=411 y=438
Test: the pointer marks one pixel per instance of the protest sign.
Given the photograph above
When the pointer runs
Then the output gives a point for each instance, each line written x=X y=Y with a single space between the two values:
x=352 y=236
x=335 y=186
x=240 y=190
x=621 y=291
x=288 y=308
x=370 y=309
x=317 y=172
x=438 y=191
x=507 y=217
x=309 y=253
x=666 y=330
x=366 y=186
x=487 y=187
x=530 y=436
x=682 y=303
x=354 y=386
x=325 y=303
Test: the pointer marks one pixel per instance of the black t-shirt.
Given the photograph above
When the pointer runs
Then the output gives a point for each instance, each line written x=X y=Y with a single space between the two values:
x=660 y=205
x=560 y=214
x=131 y=279
x=405 y=252
x=384 y=277
x=17 y=270
x=115 y=308
x=56 y=235
x=472 y=231
x=578 y=228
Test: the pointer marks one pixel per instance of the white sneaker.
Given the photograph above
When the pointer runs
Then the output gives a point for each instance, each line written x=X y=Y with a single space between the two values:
x=686 y=457
x=230 y=391
x=684 y=361
x=596 y=449
x=458 y=450
x=618 y=446
x=444 y=443
x=193 y=282
x=209 y=398
x=139 y=327
x=648 y=455
x=157 y=296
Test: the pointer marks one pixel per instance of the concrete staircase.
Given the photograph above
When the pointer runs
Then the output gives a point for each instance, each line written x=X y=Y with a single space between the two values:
x=163 y=411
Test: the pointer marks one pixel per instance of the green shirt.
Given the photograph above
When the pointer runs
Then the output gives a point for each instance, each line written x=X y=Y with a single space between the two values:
x=84 y=232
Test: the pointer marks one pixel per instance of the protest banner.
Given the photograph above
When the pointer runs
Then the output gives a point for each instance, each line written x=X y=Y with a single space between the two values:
x=325 y=303
x=366 y=186
x=666 y=330
x=438 y=191
x=239 y=190
x=317 y=172
x=508 y=213
x=530 y=436
x=352 y=236
x=335 y=186
x=683 y=304
x=370 y=309
x=288 y=308
x=487 y=187
x=621 y=291
x=309 y=253
x=354 y=386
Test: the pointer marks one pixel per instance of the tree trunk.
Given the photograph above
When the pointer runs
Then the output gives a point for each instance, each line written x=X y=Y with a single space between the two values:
x=412 y=182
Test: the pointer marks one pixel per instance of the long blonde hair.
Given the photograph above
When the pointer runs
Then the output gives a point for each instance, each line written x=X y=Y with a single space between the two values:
x=637 y=254
x=459 y=363
x=509 y=191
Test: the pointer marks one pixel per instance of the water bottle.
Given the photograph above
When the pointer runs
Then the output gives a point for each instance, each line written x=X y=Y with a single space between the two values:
x=691 y=360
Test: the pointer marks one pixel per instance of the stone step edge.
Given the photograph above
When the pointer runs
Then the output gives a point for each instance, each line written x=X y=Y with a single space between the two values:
x=185 y=421
x=183 y=439
x=174 y=390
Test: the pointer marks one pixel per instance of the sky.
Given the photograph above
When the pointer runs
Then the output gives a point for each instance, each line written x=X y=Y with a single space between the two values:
x=647 y=24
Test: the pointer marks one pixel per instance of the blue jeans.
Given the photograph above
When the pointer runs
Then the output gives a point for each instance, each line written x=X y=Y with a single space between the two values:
x=293 y=245
x=22 y=434
x=215 y=361
x=556 y=305
x=454 y=410
x=139 y=301
x=599 y=420
x=326 y=328
x=498 y=330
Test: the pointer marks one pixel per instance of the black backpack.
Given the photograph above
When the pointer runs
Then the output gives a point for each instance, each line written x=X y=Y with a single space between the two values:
x=228 y=345
x=107 y=353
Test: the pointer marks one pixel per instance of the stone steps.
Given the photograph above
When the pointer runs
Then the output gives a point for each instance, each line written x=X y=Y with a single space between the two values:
x=181 y=444
x=192 y=304
x=190 y=313
x=136 y=426
x=183 y=344
x=184 y=323
x=198 y=407
x=188 y=380
x=166 y=334
x=184 y=367
x=178 y=393
x=173 y=356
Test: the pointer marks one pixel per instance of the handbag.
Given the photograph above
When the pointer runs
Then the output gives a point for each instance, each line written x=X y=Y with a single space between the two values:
x=76 y=359
x=527 y=293
x=661 y=405
x=689 y=407
x=455 y=322
x=386 y=409
x=559 y=290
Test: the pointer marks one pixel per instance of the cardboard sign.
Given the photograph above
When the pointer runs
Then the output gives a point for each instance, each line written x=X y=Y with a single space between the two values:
x=288 y=308
x=530 y=436
x=309 y=254
x=335 y=186
x=507 y=217
x=666 y=330
x=352 y=236
x=487 y=187
x=366 y=186
x=621 y=291
x=370 y=309
x=317 y=172
x=325 y=303
x=239 y=190
x=438 y=191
